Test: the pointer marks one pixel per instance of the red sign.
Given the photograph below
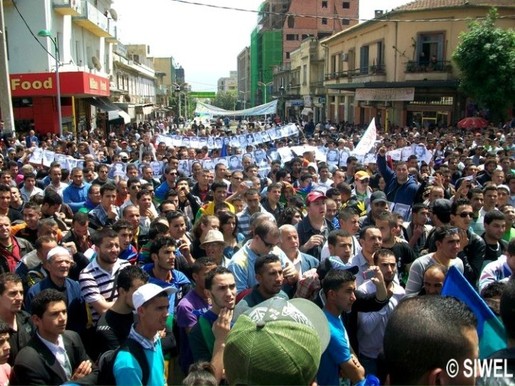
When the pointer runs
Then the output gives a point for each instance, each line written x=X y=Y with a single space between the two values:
x=72 y=83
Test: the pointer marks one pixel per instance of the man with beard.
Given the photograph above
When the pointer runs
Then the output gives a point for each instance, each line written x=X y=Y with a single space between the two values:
x=207 y=338
x=371 y=325
x=97 y=279
x=388 y=225
x=269 y=275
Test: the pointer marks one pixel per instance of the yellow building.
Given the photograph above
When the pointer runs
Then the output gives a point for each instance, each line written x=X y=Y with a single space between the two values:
x=397 y=67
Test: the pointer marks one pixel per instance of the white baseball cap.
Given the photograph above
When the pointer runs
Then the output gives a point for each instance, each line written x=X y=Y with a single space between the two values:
x=149 y=291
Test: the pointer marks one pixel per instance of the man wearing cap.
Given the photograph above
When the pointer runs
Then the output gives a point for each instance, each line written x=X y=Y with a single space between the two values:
x=151 y=304
x=281 y=341
x=314 y=228
x=58 y=263
x=378 y=204
x=401 y=188
x=214 y=245
x=337 y=360
x=76 y=194
x=362 y=190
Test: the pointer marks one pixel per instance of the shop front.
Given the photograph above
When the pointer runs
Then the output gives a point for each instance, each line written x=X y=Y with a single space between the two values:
x=35 y=96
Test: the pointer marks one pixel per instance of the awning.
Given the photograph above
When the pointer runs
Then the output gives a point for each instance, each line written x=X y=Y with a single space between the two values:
x=115 y=112
x=119 y=114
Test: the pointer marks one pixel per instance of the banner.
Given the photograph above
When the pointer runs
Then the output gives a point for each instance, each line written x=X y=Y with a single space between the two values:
x=265 y=109
x=368 y=140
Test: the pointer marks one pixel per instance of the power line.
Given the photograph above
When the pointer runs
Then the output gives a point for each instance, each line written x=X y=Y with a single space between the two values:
x=384 y=18
x=32 y=33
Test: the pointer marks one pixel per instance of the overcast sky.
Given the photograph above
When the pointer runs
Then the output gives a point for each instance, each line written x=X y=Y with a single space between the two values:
x=205 y=41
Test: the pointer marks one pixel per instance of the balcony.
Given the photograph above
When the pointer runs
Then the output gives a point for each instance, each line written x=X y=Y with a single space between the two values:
x=434 y=70
x=93 y=20
x=373 y=73
x=68 y=7
x=113 y=32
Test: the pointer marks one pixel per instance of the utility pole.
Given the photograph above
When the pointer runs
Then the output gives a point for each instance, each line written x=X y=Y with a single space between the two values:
x=6 y=104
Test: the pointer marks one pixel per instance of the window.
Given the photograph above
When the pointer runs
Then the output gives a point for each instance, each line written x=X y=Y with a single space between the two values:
x=324 y=20
x=291 y=21
x=291 y=37
x=287 y=55
x=346 y=5
x=380 y=53
x=363 y=60
x=429 y=47
x=345 y=21
x=324 y=4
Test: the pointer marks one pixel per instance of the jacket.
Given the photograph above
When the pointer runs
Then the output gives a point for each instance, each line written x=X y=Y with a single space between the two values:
x=399 y=194
x=76 y=196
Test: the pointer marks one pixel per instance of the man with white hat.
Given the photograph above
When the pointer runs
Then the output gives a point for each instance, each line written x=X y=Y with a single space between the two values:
x=214 y=245
x=151 y=306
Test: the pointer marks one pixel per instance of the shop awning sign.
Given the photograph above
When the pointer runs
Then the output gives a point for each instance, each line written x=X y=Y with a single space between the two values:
x=385 y=94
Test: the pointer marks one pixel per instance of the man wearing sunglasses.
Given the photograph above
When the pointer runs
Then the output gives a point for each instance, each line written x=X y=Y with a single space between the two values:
x=472 y=247
x=362 y=190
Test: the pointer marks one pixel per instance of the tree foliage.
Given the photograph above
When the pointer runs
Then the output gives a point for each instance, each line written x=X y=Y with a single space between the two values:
x=485 y=56
x=225 y=100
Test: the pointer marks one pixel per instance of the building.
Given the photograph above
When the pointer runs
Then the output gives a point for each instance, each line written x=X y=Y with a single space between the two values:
x=81 y=35
x=166 y=80
x=134 y=81
x=244 y=78
x=397 y=67
x=228 y=84
x=282 y=26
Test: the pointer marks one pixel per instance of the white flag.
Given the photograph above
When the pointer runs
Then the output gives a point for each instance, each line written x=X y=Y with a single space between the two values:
x=368 y=140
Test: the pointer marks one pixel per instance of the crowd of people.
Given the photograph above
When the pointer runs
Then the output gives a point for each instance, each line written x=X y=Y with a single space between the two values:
x=287 y=269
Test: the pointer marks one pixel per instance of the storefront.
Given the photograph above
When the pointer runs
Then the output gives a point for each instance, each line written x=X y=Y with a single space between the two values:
x=35 y=100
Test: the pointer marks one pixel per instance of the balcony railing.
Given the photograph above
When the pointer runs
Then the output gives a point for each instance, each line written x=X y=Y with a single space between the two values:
x=413 y=66
x=93 y=20
x=68 y=7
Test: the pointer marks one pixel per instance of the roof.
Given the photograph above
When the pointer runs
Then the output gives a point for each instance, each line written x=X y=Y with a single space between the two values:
x=419 y=5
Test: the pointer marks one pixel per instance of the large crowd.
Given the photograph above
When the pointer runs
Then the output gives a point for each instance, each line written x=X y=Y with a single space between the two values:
x=257 y=253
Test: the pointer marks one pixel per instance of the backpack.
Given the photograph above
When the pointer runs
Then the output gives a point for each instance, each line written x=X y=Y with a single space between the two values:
x=107 y=359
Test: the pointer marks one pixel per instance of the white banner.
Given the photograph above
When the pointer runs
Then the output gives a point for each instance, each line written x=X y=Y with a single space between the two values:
x=368 y=140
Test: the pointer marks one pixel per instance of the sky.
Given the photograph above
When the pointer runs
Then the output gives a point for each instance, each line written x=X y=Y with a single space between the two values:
x=204 y=40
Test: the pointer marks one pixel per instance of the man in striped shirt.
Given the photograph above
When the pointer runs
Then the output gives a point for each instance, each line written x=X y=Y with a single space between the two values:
x=98 y=278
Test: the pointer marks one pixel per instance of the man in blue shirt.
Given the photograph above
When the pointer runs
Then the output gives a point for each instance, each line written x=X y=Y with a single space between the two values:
x=339 y=287
x=151 y=304
x=76 y=194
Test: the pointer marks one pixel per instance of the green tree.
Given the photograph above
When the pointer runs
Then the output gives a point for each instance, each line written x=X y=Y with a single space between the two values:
x=485 y=56
x=226 y=100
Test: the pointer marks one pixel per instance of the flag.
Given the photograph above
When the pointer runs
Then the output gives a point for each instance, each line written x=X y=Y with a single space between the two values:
x=492 y=336
x=367 y=142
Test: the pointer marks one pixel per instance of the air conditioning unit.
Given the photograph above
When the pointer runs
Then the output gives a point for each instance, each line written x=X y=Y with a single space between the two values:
x=345 y=57
x=96 y=63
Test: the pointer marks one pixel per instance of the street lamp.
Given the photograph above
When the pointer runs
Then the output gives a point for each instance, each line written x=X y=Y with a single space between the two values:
x=265 y=86
x=47 y=34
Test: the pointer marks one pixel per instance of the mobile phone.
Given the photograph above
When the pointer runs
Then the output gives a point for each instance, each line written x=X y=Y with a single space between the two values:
x=367 y=275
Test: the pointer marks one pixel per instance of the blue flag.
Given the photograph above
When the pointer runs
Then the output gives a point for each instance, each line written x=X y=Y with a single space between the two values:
x=492 y=336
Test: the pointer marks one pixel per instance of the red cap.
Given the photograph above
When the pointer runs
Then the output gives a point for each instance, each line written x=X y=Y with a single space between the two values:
x=313 y=196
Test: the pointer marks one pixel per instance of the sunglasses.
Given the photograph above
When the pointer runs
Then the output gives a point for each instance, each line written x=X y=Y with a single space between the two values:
x=466 y=214
x=267 y=244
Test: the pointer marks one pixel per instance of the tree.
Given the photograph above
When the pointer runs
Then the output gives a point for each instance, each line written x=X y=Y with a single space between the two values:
x=226 y=100
x=485 y=56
